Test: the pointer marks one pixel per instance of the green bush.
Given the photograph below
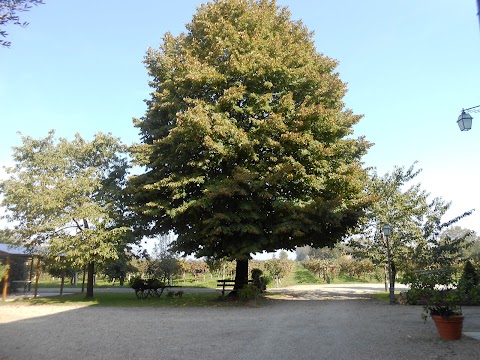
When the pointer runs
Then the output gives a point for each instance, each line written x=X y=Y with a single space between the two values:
x=436 y=290
x=469 y=285
x=135 y=280
x=3 y=270
x=258 y=280
x=249 y=292
x=472 y=297
x=469 y=278
x=416 y=297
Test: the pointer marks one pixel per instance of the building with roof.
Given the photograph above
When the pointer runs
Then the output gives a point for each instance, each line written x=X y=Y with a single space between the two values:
x=20 y=273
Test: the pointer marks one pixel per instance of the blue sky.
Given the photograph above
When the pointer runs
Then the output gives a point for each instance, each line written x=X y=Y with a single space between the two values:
x=411 y=66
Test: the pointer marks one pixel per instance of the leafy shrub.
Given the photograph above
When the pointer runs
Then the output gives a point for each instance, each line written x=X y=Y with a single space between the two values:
x=436 y=291
x=469 y=279
x=416 y=297
x=469 y=283
x=279 y=269
x=473 y=296
x=249 y=292
x=258 y=279
x=135 y=280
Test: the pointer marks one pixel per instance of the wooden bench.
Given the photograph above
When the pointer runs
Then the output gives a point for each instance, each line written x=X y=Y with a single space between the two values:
x=227 y=283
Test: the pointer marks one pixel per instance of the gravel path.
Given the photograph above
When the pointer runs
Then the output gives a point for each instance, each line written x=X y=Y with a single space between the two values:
x=301 y=324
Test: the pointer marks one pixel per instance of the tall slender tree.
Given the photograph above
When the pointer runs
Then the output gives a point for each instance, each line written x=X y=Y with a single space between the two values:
x=66 y=196
x=415 y=219
x=246 y=141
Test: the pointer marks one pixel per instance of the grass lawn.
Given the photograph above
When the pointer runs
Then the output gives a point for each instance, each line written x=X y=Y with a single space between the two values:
x=209 y=282
x=384 y=296
x=130 y=300
x=302 y=276
x=299 y=275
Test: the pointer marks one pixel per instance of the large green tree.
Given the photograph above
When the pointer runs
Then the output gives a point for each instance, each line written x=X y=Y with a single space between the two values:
x=246 y=141
x=67 y=197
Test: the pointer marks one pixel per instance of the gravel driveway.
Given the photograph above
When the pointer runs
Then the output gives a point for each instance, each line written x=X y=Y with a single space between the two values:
x=301 y=324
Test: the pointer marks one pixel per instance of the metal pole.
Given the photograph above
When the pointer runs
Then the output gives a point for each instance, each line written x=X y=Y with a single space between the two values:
x=478 y=8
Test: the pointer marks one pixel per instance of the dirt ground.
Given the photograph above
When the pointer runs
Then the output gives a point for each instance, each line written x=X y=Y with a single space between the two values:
x=301 y=323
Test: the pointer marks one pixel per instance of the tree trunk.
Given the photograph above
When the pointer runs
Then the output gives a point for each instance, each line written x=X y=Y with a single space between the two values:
x=241 y=275
x=62 y=283
x=83 y=280
x=91 y=269
x=74 y=279
x=394 y=274
x=37 y=277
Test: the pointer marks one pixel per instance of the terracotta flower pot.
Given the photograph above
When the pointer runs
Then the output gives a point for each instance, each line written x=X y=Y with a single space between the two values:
x=449 y=328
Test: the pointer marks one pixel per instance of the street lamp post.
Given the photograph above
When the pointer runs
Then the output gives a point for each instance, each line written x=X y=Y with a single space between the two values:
x=386 y=233
x=478 y=8
x=465 y=119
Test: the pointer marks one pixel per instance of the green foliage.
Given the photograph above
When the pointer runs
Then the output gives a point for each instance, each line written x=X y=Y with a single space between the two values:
x=279 y=269
x=9 y=10
x=402 y=207
x=470 y=277
x=69 y=195
x=304 y=276
x=119 y=268
x=59 y=267
x=469 y=283
x=324 y=269
x=249 y=292
x=341 y=269
x=130 y=300
x=3 y=270
x=416 y=240
x=246 y=140
x=472 y=252
x=164 y=268
x=259 y=281
x=437 y=291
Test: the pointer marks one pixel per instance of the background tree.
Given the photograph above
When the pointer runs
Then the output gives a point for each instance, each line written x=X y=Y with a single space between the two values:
x=197 y=268
x=246 y=141
x=59 y=267
x=9 y=10
x=67 y=194
x=441 y=247
x=118 y=268
x=471 y=247
x=279 y=269
x=324 y=253
x=164 y=264
x=302 y=253
x=416 y=221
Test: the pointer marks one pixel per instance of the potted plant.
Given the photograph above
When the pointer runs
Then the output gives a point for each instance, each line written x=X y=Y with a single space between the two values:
x=444 y=307
x=441 y=298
